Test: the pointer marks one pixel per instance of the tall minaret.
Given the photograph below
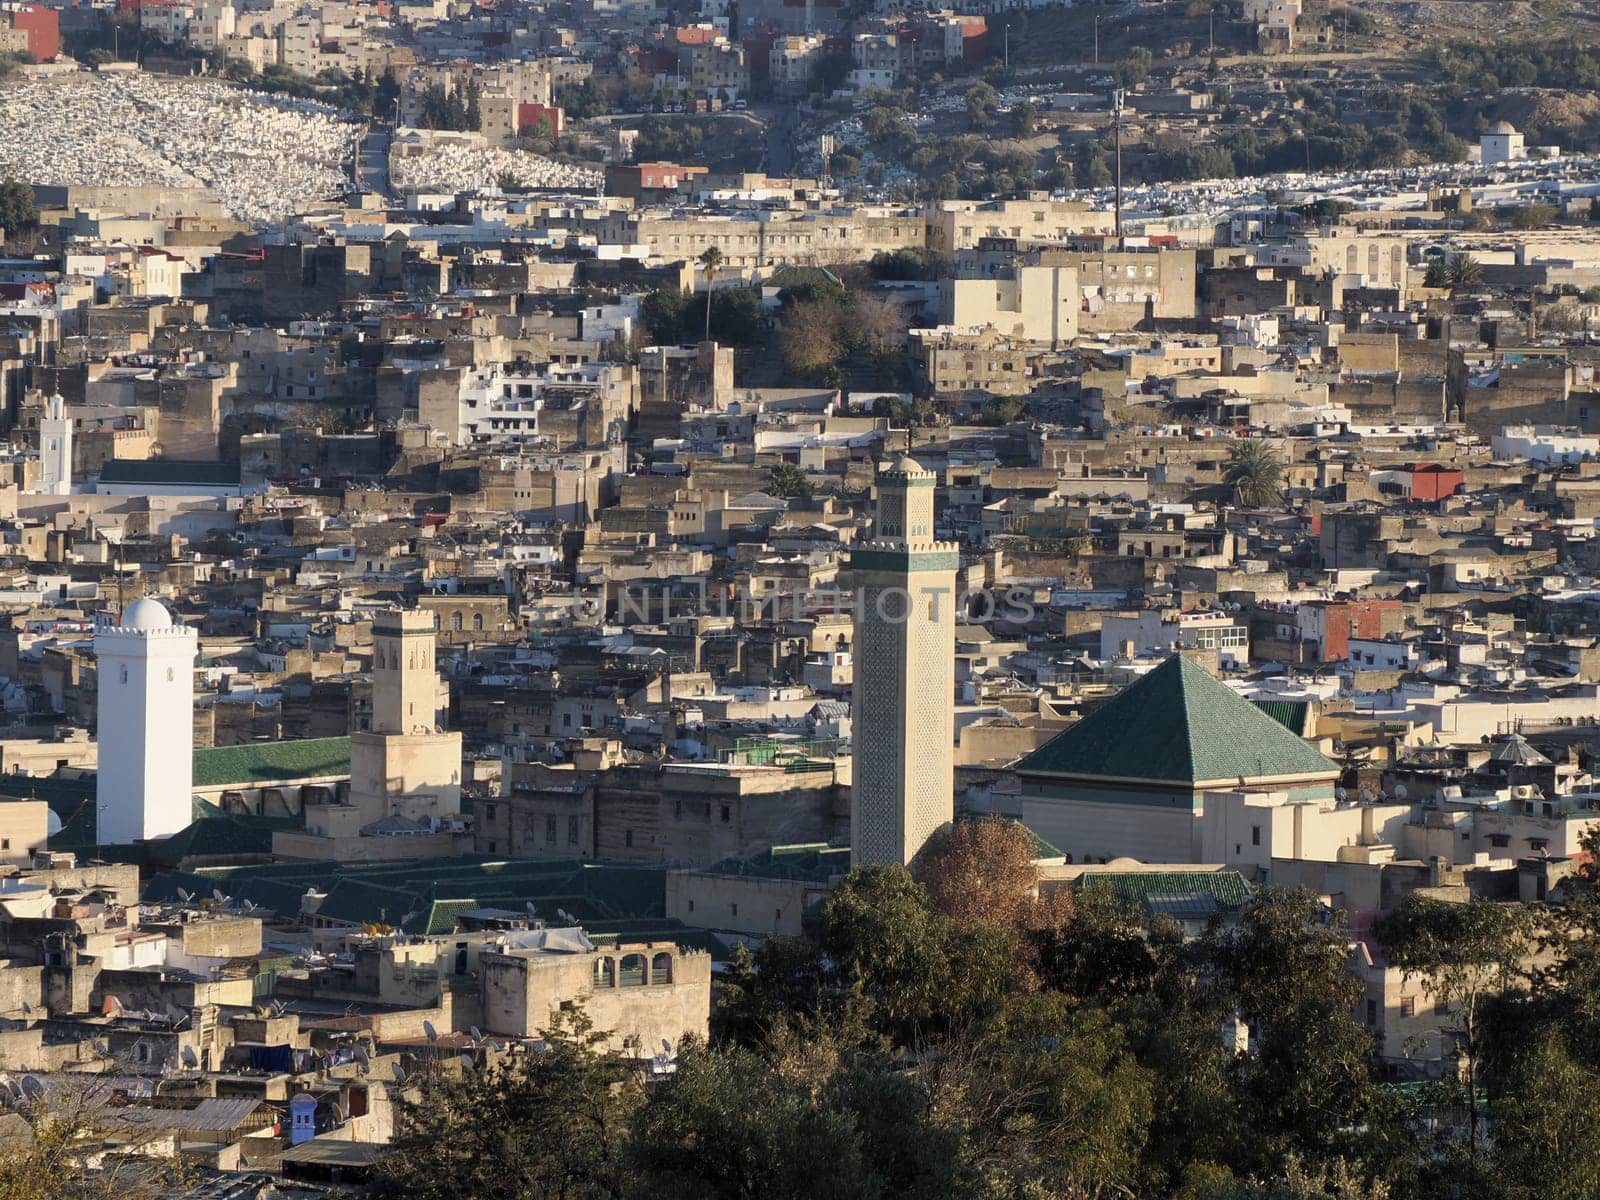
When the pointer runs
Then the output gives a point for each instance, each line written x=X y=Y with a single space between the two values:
x=405 y=682
x=55 y=448
x=903 y=702
x=144 y=668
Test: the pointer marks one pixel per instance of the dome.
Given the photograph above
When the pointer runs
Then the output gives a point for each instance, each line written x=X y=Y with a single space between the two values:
x=906 y=465
x=146 y=614
x=1502 y=127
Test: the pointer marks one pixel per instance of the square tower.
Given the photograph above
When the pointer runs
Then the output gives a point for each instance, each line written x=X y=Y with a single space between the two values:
x=903 y=697
x=144 y=787
x=405 y=684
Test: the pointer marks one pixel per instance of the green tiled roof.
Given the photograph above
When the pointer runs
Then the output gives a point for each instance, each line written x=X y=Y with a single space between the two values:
x=170 y=470
x=1178 y=724
x=272 y=762
x=1229 y=889
x=1293 y=715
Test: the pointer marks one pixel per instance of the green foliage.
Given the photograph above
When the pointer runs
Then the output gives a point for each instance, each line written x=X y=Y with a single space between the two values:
x=581 y=100
x=915 y=263
x=1134 y=68
x=670 y=317
x=549 y=1124
x=788 y=482
x=1254 y=472
x=18 y=213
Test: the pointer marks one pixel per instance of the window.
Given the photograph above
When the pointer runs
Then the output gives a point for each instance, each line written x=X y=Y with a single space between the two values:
x=550 y=829
x=631 y=971
x=494 y=847
x=1408 y=1006
x=1255 y=835
x=627 y=839
x=455 y=621
x=605 y=973
x=1372 y=1012
x=727 y=814
x=124 y=674
x=1441 y=1007
x=488 y=812
x=572 y=831
x=661 y=968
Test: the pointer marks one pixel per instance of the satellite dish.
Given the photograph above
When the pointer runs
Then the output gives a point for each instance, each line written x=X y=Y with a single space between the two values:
x=399 y=1073
x=475 y=1033
x=1399 y=791
x=532 y=911
x=361 y=1055
x=427 y=1028
x=216 y=894
x=249 y=906
x=32 y=1088
x=184 y=896
x=339 y=1113
x=666 y=1046
x=466 y=1062
x=190 y=1058
x=1340 y=793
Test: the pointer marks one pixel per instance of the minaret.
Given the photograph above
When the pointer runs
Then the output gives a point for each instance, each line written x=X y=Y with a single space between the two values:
x=55 y=448
x=144 y=784
x=405 y=683
x=903 y=702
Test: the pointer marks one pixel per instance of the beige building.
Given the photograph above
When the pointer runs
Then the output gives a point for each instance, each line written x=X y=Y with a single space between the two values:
x=1035 y=304
x=903 y=698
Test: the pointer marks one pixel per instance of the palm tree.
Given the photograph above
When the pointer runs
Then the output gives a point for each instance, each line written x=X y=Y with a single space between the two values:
x=1463 y=271
x=1253 y=472
x=710 y=260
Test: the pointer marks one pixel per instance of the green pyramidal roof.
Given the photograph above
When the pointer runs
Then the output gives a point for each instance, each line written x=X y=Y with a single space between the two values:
x=1177 y=724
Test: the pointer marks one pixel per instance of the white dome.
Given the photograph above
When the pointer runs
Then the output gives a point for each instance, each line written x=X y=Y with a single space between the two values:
x=146 y=614
x=1502 y=127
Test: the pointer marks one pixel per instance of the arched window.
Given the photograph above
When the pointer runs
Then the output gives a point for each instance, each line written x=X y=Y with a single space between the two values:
x=455 y=621
x=1372 y=261
x=477 y=622
x=1351 y=259
x=605 y=973
x=631 y=971
x=661 y=968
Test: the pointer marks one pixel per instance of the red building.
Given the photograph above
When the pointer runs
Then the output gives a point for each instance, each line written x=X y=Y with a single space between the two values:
x=1433 y=481
x=529 y=115
x=1330 y=624
x=43 y=27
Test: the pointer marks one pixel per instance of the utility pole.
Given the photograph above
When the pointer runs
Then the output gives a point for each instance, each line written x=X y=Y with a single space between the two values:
x=1097 y=39
x=1008 y=45
x=1211 y=32
x=1116 y=117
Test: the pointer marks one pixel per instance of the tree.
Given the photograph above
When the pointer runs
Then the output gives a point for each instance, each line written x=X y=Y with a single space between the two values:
x=1463 y=271
x=710 y=259
x=1134 y=68
x=18 y=213
x=1467 y=953
x=811 y=337
x=1023 y=117
x=788 y=482
x=880 y=325
x=1054 y=1103
x=1438 y=273
x=662 y=313
x=539 y=1126
x=981 y=100
x=1547 y=1127
x=507 y=181
x=1254 y=472
x=67 y=1157
x=1306 y=1087
x=981 y=873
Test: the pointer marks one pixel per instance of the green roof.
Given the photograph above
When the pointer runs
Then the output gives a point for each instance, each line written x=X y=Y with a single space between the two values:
x=1293 y=715
x=1229 y=889
x=272 y=762
x=170 y=470
x=1178 y=724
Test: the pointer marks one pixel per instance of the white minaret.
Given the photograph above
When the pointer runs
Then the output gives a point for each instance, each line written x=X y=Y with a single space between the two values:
x=55 y=448
x=145 y=781
x=902 y=708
